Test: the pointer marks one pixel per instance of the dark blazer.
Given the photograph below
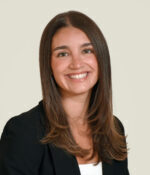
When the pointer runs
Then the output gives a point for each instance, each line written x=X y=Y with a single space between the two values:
x=22 y=154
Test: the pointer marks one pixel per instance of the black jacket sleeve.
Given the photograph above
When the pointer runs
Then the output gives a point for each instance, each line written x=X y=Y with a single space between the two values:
x=19 y=148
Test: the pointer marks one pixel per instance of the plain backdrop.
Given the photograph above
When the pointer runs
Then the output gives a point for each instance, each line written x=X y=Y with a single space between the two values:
x=126 y=27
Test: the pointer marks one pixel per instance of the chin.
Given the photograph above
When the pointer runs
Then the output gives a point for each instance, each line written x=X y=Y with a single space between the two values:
x=80 y=92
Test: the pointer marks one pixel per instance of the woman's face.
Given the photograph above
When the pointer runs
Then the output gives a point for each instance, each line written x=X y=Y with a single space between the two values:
x=74 y=64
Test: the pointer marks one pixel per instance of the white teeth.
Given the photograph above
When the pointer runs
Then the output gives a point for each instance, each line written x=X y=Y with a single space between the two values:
x=78 y=76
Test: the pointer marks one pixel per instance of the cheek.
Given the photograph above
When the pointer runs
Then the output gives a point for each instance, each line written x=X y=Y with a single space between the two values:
x=58 y=67
x=55 y=64
x=93 y=63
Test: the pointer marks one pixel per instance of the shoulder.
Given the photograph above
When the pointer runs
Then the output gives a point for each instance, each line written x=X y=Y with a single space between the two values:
x=21 y=136
x=26 y=123
x=119 y=125
x=120 y=165
x=20 y=149
x=28 y=116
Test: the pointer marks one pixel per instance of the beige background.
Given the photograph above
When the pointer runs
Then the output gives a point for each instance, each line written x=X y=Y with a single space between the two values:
x=126 y=26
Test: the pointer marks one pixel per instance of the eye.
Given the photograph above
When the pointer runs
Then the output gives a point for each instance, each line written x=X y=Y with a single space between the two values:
x=86 y=51
x=62 y=54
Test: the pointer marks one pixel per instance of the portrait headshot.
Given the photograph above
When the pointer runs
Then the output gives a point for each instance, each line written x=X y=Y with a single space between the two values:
x=67 y=111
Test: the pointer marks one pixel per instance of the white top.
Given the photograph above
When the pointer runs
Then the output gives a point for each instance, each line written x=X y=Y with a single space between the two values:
x=90 y=169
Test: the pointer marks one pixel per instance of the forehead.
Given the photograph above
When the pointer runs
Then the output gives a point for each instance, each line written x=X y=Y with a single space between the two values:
x=69 y=36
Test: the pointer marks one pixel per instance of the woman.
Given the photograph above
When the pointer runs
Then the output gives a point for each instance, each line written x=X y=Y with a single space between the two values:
x=72 y=130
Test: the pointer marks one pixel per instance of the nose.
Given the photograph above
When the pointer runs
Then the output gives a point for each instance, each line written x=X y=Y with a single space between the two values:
x=76 y=61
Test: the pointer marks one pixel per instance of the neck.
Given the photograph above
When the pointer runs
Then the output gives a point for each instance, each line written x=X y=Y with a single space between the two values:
x=76 y=107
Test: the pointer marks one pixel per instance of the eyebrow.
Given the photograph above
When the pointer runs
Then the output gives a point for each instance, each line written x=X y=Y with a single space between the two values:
x=66 y=47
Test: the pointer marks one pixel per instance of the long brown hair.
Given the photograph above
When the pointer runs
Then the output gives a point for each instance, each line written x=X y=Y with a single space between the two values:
x=106 y=130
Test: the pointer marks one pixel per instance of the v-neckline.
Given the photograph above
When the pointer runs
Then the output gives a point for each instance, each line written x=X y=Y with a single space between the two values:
x=65 y=163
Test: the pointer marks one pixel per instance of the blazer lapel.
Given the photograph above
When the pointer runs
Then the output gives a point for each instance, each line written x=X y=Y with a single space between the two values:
x=64 y=163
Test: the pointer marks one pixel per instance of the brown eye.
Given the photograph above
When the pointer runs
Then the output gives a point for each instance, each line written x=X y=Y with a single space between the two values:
x=86 y=51
x=62 y=54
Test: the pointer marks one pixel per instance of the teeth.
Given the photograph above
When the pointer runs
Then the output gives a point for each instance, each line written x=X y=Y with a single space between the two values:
x=78 y=76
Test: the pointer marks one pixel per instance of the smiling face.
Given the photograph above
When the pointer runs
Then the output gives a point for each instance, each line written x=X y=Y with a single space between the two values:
x=73 y=62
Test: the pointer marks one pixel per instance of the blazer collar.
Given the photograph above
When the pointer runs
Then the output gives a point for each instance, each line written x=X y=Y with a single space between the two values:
x=64 y=163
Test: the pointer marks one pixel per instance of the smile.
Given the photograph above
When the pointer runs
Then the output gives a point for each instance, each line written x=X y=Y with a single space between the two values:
x=78 y=76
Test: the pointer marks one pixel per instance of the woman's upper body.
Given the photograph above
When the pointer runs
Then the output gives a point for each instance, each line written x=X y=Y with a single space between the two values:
x=79 y=126
x=77 y=92
x=22 y=153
